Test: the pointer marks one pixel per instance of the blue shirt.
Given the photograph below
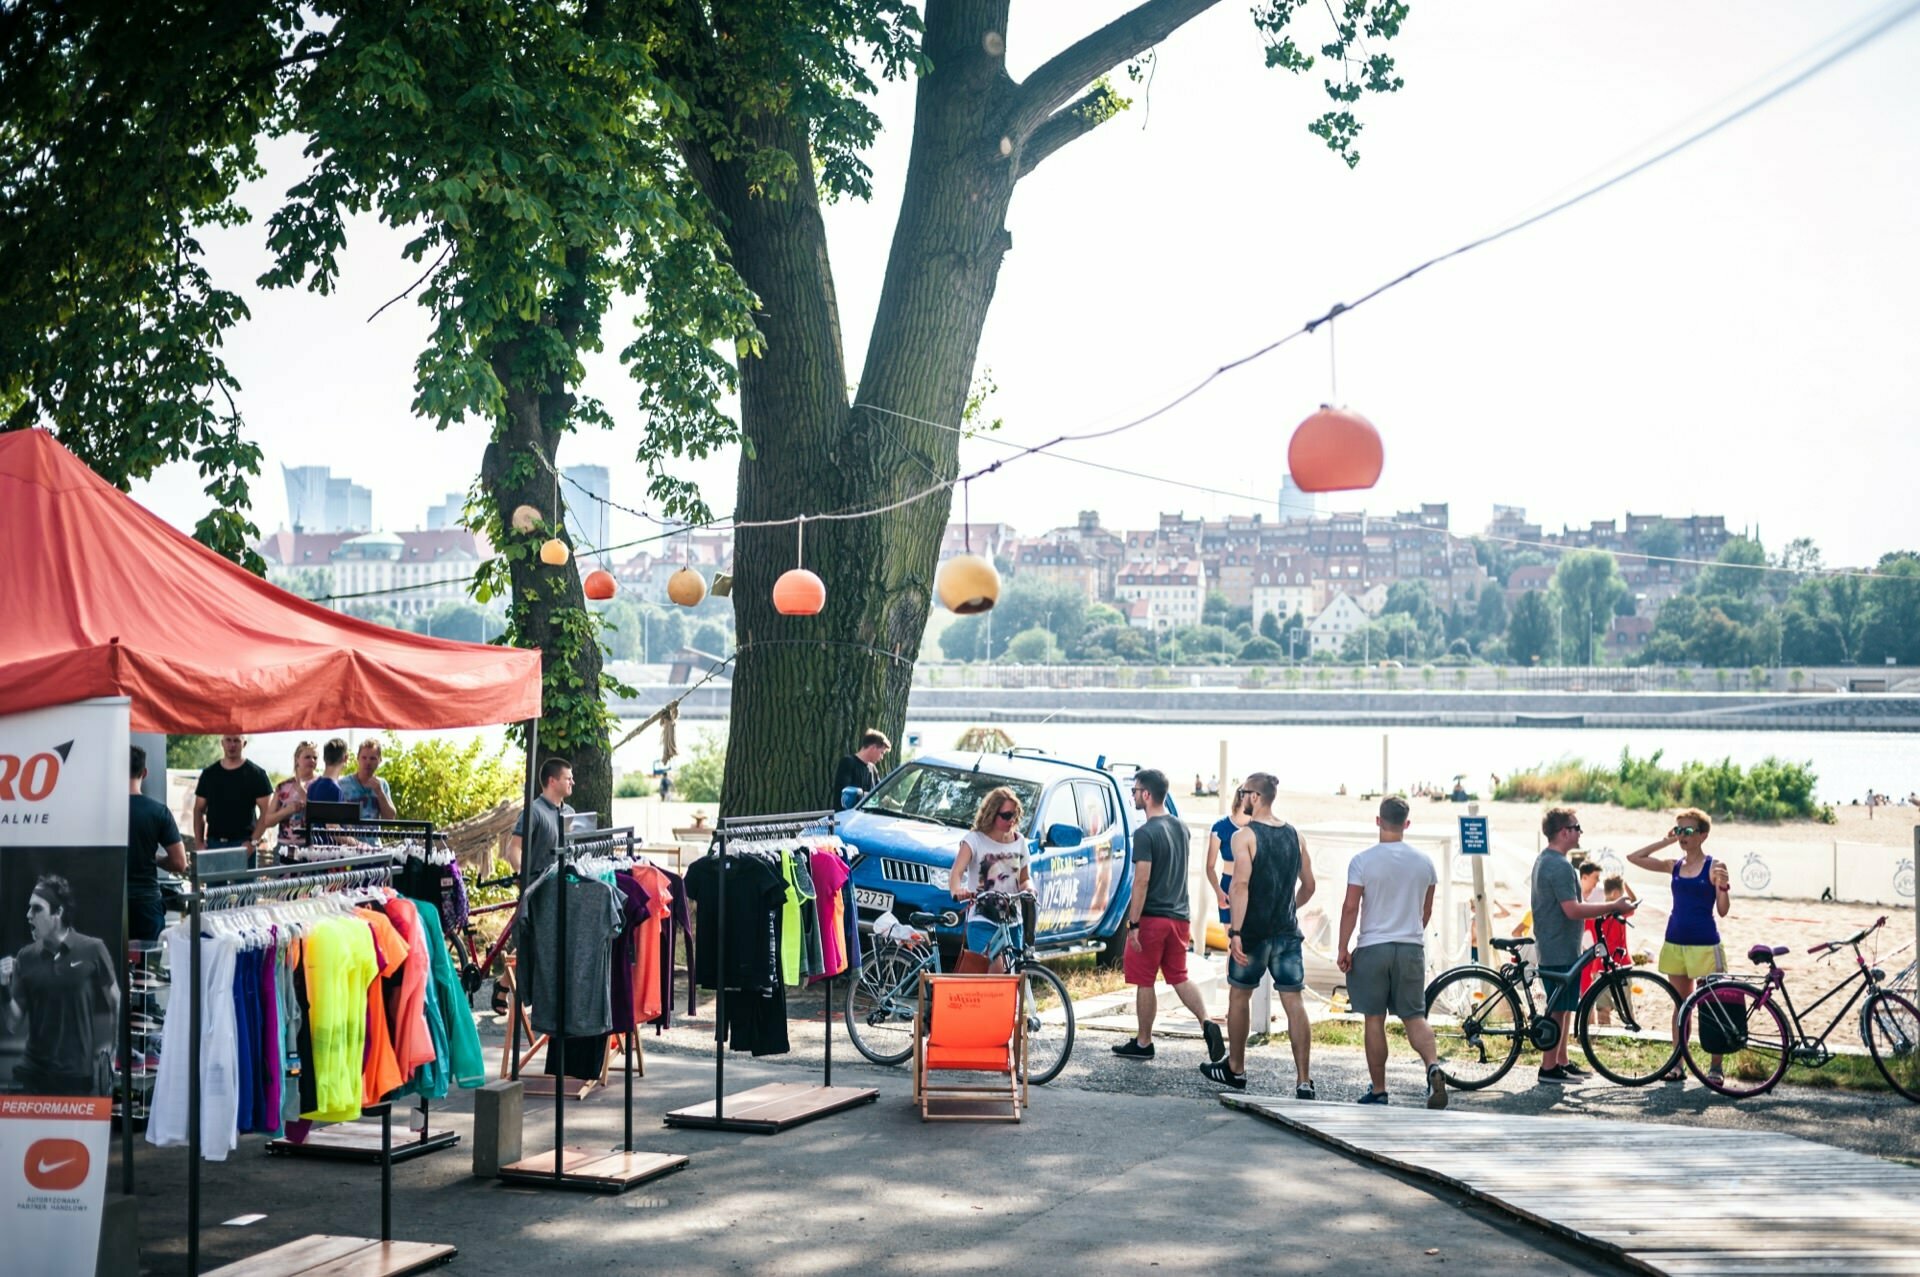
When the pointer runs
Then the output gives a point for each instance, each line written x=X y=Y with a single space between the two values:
x=1224 y=829
x=352 y=791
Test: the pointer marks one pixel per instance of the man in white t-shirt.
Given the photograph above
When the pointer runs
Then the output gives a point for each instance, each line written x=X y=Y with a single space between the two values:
x=1390 y=893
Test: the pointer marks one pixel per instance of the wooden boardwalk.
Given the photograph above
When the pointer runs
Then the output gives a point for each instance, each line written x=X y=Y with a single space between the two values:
x=1663 y=1198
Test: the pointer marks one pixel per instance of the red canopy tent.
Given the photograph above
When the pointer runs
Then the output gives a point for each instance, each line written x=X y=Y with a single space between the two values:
x=98 y=597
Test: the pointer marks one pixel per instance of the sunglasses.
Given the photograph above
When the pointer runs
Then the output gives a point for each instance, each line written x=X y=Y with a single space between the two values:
x=1007 y=815
x=1686 y=831
x=1241 y=793
x=1576 y=829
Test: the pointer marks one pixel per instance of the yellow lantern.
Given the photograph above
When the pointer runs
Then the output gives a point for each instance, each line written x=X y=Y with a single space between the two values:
x=966 y=584
x=686 y=587
x=554 y=552
x=525 y=519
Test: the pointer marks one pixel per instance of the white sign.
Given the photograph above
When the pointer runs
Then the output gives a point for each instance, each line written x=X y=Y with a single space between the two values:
x=53 y=1180
x=63 y=776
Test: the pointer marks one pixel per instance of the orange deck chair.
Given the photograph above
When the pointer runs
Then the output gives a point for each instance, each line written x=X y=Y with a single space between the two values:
x=976 y=1027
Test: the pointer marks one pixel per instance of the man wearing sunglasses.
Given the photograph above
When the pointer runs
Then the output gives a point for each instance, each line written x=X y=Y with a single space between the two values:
x=1157 y=920
x=1560 y=928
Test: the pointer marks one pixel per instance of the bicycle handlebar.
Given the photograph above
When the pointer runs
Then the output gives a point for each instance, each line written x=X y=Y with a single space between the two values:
x=1828 y=946
x=507 y=881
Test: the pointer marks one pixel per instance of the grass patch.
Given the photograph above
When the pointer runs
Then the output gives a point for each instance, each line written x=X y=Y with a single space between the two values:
x=1086 y=978
x=1771 y=790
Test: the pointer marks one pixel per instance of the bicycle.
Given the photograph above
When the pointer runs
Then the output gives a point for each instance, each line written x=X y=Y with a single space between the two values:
x=1749 y=1035
x=882 y=1001
x=1479 y=1026
x=464 y=943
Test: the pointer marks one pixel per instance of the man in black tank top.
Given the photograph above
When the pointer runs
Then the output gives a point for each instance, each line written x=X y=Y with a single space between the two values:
x=1272 y=878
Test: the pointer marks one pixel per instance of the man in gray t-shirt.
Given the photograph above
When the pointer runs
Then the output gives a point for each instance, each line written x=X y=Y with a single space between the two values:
x=1157 y=936
x=1559 y=926
x=530 y=849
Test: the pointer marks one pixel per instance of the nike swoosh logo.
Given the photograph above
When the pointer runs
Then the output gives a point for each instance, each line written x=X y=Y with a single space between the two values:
x=76 y=964
x=48 y=1168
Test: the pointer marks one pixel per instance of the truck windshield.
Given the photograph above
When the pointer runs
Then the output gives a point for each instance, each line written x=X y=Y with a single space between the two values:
x=944 y=795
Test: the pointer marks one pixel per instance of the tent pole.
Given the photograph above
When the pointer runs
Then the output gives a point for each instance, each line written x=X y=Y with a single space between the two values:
x=526 y=822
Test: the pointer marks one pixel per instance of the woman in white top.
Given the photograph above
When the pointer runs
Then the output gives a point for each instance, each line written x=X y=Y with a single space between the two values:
x=992 y=857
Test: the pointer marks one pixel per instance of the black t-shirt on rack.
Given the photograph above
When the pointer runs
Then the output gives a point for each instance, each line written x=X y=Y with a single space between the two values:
x=754 y=893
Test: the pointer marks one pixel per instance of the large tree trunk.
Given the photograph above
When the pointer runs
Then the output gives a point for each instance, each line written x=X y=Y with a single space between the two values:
x=805 y=687
x=518 y=469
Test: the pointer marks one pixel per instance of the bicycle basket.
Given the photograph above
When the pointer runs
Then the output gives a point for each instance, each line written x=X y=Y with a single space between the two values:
x=996 y=906
x=1720 y=1021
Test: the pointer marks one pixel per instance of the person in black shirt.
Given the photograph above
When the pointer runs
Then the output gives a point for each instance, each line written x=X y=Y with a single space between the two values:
x=860 y=769
x=152 y=836
x=61 y=984
x=231 y=796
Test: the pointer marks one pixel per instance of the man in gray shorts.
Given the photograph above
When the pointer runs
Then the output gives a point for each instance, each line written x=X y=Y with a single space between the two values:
x=1390 y=894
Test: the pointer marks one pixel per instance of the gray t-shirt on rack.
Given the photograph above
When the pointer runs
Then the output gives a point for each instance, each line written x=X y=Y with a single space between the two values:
x=1561 y=938
x=593 y=920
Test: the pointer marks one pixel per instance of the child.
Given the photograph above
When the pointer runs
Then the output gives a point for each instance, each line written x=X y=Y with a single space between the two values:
x=1611 y=932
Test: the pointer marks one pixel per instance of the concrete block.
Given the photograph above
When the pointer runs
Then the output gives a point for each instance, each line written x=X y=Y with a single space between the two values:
x=498 y=1109
x=119 y=1237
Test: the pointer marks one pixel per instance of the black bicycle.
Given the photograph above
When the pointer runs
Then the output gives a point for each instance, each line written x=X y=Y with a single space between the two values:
x=1739 y=1037
x=1481 y=1017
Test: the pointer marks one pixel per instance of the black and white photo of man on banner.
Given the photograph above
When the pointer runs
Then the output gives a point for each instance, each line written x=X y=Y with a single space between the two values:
x=63 y=892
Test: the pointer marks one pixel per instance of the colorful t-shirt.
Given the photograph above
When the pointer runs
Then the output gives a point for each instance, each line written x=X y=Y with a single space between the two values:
x=994 y=866
x=829 y=875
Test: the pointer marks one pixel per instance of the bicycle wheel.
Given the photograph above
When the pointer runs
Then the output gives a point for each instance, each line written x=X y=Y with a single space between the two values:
x=1477 y=1027
x=1626 y=1026
x=880 y=1006
x=1734 y=1039
x=1049 y=1012
x=1893 y=1040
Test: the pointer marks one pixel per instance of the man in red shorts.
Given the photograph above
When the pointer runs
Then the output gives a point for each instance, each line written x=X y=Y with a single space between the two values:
x=1157 y=934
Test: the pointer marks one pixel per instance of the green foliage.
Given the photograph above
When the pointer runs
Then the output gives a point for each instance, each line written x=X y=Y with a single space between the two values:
x=697 y=779
x=1586 y=588
x=444 y=782
x=1260 y=649
x=636 y=785
x=1772 y=790
x=1368 y=72
x=1033 y=647
x=1530 y=630
x=1025 y=604
x=190 y=753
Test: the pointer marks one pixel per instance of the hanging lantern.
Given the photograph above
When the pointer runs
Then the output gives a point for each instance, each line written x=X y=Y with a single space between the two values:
x=687 y=587
x=525 y=519
x=1334 y=450
x=799 y=593
x=967 y=584
x=600 y=585
x=554 y=552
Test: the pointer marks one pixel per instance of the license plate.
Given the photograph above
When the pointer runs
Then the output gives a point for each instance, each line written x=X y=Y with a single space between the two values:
x=878 y=901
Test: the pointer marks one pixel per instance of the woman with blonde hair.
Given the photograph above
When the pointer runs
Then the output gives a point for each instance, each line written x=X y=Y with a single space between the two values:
x=1701 y=896
x=288 y=805
x=992 y=857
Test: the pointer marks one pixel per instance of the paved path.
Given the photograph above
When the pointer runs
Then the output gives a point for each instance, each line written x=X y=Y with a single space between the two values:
x=1659 y=1197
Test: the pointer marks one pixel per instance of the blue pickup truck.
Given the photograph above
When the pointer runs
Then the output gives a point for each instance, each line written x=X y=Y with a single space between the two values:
x=1078 y=830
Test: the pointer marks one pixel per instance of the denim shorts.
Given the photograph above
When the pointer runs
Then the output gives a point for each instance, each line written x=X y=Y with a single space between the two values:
x=1279 y=955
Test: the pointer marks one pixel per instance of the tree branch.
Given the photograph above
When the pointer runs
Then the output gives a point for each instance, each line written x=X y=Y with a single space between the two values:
x=1073 y=68
x=1081 y=116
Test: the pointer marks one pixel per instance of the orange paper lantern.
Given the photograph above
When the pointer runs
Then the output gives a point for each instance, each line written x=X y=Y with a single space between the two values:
x=967 y=584
x=799 y=593
x=687 y=587
x=600 y=585
x=1334 y=450
x=554 y=552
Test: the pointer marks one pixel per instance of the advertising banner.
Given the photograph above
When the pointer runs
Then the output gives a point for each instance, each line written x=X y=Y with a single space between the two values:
x=63 y=875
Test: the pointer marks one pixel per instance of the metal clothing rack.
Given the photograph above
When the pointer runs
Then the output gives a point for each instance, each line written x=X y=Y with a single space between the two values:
x=354 y=1141
x=769 y=1109
x=580 y=1168
x=364 y=1257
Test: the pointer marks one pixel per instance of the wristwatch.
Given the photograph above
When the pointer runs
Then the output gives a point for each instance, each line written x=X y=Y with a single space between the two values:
x=1132 y=926
x=1233 y=933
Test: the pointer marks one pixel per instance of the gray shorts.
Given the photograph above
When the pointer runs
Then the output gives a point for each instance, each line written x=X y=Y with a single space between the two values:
x=1389 y=979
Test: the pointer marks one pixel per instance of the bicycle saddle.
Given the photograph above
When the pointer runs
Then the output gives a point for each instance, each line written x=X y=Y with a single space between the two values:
x=1511 y=946
x=945 y=919
x=1766 y=953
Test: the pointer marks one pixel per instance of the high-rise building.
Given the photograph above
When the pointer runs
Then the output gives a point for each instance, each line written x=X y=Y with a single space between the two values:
x=589 y=517
x=1295 y=504
x=319 y=501
x=447 y=513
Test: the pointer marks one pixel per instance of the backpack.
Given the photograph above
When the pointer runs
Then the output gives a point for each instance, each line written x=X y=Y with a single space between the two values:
x=1720 y=1020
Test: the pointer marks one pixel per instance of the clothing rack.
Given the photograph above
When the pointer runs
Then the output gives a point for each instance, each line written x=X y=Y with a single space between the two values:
x=769 y=1109
x=382 y=1258
x=580 y=1168
x=354 y=1141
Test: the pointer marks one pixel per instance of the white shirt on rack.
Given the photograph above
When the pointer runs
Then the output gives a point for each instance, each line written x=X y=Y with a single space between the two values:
x=219 y=1052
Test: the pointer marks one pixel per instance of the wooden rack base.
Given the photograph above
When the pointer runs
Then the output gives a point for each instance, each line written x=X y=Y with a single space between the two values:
x=613 y=1172
x=340 y=1257
x=360 y=1142
x=770 y=1109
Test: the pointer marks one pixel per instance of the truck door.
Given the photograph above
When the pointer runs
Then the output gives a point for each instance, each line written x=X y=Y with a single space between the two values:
x=1100 y=823
x=1062 y=872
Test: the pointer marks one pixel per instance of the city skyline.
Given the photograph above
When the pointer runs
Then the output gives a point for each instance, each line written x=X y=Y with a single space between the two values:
x=1701 y=339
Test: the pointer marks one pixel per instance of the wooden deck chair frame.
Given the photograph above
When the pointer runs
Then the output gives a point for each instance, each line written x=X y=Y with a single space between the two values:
x=929 y=1094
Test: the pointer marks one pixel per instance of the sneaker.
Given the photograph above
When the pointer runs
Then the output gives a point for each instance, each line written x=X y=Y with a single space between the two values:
x=1555 y=1074
x=1219 y=1072
x=1132 y=1050
x=1304 y=1091
x=1436 y=1087
x=1373 y=1097
x=1216 y=1041
x=1575 y=1072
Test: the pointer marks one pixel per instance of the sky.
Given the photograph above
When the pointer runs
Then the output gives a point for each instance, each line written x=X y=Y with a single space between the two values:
x=1709 y=337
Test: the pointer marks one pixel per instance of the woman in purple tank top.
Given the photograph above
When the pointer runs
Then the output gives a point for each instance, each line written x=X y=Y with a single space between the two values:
x=1701 y=897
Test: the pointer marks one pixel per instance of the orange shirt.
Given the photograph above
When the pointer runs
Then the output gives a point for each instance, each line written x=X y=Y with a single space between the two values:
x=647 y=998
x=381 y=1071
x=407 y=1005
